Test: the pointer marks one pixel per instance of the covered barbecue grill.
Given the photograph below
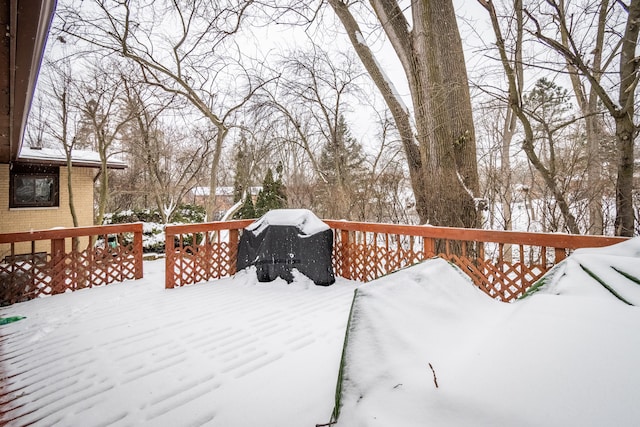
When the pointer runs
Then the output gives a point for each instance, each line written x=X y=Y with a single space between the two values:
x=287 y=239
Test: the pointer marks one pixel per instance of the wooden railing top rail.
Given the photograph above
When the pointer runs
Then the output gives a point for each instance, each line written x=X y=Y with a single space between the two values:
x=561 y=240
x=208 y=226
x=63 y=233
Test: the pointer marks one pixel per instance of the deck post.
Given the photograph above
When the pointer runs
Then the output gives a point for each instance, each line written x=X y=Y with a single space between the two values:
x=137 y=251
x=58 y=273
x=429 y=247
x=170 y=257
x=559 y=254
x=234 y=238
x=345 y=253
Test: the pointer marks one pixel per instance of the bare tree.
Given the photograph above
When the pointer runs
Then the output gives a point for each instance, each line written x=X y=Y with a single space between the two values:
x=194 y=61
x=553 y=25
x=314 y=92
x=387 y=190
x=587 y=99
x=61 y=88
x=546 y=166
x=171 y=160
x=101 y=106
x=495 y=124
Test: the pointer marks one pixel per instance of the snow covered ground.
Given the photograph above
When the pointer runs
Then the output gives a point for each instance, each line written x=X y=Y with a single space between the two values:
x=235 y=352
x=427 y=348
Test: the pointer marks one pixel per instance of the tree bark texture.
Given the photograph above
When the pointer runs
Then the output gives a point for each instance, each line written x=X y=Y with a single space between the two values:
x=626 y=130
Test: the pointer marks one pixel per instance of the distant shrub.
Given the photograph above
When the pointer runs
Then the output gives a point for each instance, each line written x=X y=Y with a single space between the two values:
x=189 y=214
x=129 y=216
x=149 y=215
x=122 y=217
x=153 y=238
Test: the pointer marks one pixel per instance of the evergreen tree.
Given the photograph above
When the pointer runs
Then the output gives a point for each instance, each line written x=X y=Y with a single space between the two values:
x=247 y=210
x=342 y=156
x=272 y=195
x=242 y=164
x=343 y=174
x=548 y=108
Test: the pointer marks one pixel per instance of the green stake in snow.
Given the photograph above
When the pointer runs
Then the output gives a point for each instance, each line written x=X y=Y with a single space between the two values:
x=5 y=320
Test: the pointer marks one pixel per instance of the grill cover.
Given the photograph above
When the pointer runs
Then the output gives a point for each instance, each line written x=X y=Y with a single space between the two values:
x=284 y=239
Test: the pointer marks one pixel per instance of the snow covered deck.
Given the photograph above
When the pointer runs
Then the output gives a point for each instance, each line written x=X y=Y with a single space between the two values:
x=236 y=353
x=233 y=352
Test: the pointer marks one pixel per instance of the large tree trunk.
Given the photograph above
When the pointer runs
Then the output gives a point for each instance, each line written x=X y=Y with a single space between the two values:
x=625 y=219
x=626 y=131
x=443 y=116
x=442 y=155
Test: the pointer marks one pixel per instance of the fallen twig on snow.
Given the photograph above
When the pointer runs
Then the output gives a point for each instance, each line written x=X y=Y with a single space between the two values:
x=435 y=380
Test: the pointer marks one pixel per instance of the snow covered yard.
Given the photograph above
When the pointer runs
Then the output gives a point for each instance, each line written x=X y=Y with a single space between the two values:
x=233 y=352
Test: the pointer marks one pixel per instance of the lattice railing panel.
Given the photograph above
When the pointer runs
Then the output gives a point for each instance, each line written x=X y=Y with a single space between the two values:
x=502 y=281
x=213 y=255
x=201 y=263
x=27 y=276
x=23 y=280
x=370 y=262
x=72 y=271
x=498 y=262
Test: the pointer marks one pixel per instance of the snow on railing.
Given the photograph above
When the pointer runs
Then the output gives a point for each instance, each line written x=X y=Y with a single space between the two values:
x=504 y=264
x=47 y=262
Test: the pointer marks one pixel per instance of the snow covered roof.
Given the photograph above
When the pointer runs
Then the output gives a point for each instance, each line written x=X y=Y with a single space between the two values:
x=221 y=191
x=303 y=219
x=57 y=157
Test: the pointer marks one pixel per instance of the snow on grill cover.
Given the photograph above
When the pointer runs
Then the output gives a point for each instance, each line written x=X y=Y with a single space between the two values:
x=284 y=240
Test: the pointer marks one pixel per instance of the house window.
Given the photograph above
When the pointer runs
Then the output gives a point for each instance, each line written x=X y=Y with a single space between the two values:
x=34 y=186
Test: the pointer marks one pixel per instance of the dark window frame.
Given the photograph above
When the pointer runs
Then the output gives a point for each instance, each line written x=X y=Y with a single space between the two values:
x=23 y=176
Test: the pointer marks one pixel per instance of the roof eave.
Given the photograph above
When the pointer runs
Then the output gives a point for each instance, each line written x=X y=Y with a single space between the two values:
x=29 y=22
x=74 y=163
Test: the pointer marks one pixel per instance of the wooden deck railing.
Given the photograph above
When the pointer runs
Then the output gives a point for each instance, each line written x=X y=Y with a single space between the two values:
x=54 y=261
x=504 y=264
x=200 y=252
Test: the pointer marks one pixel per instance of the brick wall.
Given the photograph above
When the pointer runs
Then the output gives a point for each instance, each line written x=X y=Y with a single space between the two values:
x=26 y=219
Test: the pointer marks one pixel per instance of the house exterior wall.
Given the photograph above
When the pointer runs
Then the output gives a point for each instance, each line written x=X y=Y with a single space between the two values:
x=26 y=219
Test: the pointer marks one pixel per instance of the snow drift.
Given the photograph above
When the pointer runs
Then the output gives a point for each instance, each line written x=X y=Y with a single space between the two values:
x=425 y=347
